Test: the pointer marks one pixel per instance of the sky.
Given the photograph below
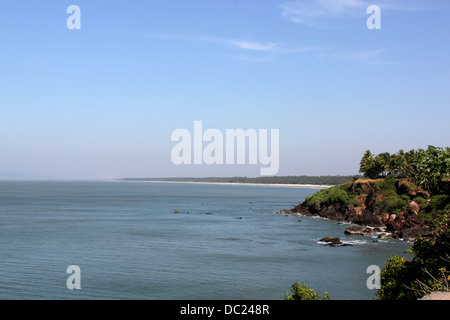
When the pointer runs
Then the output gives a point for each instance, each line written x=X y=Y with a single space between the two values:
x=102 y=101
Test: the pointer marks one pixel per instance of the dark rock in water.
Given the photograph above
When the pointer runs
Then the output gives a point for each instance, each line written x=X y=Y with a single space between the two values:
x=209 y=213
x=385 y=235
x=331 y=241
x=361 y=231
x=354 y=230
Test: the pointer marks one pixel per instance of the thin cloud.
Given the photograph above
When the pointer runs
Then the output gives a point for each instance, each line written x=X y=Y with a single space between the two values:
x=308 y=12
x=253 y=50
x=367 y=57
x=254 y=45
x=315 y=12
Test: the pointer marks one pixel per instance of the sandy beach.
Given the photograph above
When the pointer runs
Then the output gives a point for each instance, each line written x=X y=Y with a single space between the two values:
x=315 y=186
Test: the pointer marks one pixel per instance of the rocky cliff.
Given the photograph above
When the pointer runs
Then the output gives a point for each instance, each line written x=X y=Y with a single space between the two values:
x=394 y=205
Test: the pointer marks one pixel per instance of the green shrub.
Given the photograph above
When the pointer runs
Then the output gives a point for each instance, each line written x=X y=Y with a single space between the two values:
x=300 y=291
x=392 y=203
x=333 y=195
x=438 y=203
x=387 y=184
x=402 y=279
x=420 y=201
x=393 y=278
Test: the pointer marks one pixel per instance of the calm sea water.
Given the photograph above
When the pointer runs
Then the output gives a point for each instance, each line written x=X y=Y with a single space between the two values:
x=226 y=243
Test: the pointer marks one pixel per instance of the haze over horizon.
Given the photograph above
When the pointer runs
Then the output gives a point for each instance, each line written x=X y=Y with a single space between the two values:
x=101 y=102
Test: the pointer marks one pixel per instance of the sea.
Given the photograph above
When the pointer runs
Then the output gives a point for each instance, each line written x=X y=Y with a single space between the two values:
x=175 y=241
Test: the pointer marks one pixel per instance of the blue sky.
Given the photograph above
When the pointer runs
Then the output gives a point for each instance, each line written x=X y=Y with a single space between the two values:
x=101 y=102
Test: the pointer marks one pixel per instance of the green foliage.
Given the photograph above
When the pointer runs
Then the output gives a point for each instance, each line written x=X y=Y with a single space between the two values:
x=429 y=168
x=438 y=203
x=317 y=180
x=369 y=166
x=402 y=279
x=433 y=167
x=333 y=195
x=437 y=211
x=300 y=291
x=392 y=202
x=387 y=185
x=393 y=278
x=420 y=201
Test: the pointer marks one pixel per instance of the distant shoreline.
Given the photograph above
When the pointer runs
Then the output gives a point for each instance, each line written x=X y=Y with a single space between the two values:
x=315 y=186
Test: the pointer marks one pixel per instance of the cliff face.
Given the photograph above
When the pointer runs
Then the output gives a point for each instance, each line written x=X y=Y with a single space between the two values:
x=394 y=205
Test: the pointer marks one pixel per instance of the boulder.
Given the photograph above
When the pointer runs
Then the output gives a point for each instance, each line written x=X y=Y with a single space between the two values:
x=331 y=241
x=385 y=235
x=368 y=218
x=354 y=230
x=438 y=295
x=361 y=231
x=413 y=208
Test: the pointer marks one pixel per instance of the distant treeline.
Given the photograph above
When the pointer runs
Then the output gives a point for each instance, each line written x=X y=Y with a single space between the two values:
x=316 y=180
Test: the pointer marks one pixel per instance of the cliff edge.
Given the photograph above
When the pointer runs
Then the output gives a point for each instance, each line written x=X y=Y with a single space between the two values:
x=398 y=206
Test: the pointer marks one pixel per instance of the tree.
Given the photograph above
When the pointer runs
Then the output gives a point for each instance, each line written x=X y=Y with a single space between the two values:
x=433 y=169
x=370 y=166
x=383 y=163
x=300 y=291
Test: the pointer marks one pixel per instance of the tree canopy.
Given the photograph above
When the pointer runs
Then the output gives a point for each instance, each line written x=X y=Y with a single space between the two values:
x=429 y=168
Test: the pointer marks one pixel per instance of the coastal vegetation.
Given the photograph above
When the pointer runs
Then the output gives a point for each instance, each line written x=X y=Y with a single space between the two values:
x=408 y=194
x=313 y=180
x=301 y=291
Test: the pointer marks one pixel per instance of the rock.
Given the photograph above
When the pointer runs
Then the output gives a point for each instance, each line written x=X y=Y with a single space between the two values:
x=176 y=211
x=412 y=209
x=385 y=235
x=331 y=241
x=354 y=230
x=404 y=186
x=439 y=295
x=283 y=211
x=361 y=231
x=412 y=233
x=368 y=218
x=424 y=194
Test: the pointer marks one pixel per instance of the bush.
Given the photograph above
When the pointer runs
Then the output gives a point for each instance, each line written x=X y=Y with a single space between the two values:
x=437 y=212
x=392 y=204
x=420 y=201
x=393 y=278
x=402 y=279
x=333 y=195
x=300 y=291
x=438 y=203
